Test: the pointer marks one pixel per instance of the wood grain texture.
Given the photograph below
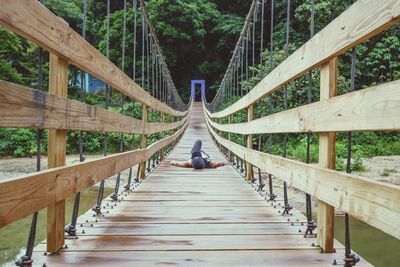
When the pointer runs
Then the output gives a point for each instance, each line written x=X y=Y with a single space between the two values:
x=24 y=195
x=249 y=167
x=180 y=216
x=363 y=20
x=376 y=109
x=376 y=203
x=36 y=23
x=57 y=150
x=327 y=157
x=22 y=107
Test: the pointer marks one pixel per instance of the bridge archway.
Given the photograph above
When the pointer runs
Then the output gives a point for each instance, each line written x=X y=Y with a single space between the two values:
x=198 y=94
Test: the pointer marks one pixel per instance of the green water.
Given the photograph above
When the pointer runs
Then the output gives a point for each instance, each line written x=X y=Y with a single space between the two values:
x=373 y=245
x=13 y=237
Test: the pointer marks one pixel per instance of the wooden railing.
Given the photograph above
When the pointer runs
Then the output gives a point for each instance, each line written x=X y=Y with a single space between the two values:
x=22 y=107
x=375 y=108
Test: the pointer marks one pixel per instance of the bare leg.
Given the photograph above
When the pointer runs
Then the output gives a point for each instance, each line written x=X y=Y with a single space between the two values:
x=183 y=164
x=217 y=164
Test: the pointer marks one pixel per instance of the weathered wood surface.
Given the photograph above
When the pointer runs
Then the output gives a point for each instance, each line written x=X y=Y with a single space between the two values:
x=363 y=20
x=376 y=108
x=22 y=107
x=375 y=203
x=36 y=23
x=187 y=217
x=21 y=196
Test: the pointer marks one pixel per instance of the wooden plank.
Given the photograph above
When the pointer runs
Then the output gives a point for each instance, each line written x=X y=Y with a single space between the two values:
x=229 y=138
x=36 y=23
x=22 y=107
x=249 y=167
x=186 y=243
x=24 y=195
x=128 y=229
x=143 y=143
x=373 y=202
x=327 y=157
x=57 y=149
x=363 y=20
x=229 y=258
x=376 y=109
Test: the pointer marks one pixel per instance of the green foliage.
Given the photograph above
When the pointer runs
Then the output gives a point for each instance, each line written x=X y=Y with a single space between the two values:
x=17 y=142
x=387 y=172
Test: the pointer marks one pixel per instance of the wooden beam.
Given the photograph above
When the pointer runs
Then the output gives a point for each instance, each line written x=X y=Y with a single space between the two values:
x=36 y=23
x=374 y=109
x=229 y=138
x=143 y=145
x=22 y=107
x=327 y=158
x=22 y=196
x=250 y=117
x=57 y=149
x=372 y=202
x=363 y=20
x=163 y=136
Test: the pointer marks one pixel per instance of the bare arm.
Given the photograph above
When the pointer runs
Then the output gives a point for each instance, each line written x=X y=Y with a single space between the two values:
x=216 y=164
x=183 y=164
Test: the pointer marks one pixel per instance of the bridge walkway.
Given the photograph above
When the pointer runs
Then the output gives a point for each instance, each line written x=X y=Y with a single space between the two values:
x=186 y=217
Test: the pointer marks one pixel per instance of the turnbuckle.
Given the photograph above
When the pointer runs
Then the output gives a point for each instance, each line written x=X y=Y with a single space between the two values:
x=286 y=209
x=114 y=196
x=97 y=209
x=260 y=187
x=272 y=197
x=24 y=261
x=349 y=261
x=70 y=230
x=311 y=226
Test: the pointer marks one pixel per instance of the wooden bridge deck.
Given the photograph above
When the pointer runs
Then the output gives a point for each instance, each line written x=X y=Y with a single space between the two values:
x=189 y=217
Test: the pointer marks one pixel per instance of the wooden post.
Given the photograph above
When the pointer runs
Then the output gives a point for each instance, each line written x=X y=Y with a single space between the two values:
x=327 y=157
x=58 y=85
x=163 y=136
x=229 y=138
x=250 y=116
x=142 y=164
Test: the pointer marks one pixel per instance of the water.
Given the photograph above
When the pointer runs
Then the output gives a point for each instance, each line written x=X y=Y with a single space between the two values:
x=372 y=244
x=13 y=237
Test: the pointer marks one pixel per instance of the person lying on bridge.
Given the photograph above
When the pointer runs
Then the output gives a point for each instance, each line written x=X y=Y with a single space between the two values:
x=199 y=159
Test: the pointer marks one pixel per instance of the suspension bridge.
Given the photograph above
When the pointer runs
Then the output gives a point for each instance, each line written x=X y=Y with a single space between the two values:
x=166 y=215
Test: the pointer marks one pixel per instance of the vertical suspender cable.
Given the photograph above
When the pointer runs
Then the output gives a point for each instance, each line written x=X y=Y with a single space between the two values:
x=287 y=206
x=253 y=62
x=134 y=9
x=272 y=196
x=310 y=223
x=26 y=259
x=350 y=258
x=71 y=229
x=114 y=196
x=97 y=208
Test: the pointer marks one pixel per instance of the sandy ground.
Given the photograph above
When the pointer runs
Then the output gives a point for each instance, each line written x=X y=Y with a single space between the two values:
x=384 y=169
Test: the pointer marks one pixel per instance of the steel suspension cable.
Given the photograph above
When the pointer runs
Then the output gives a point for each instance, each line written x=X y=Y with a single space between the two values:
x=114 y=196
x=134 y=9
x=97 y=208
x=287 y=206
x=26 y=260
x=310 y=223
x=71 y=228
x=272 y=196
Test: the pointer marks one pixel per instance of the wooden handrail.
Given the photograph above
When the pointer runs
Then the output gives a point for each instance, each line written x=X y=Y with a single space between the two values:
x=372 y=109
x=36 y=23
x=363 y=20
x=27 y=194
x=22 y=107
x=374 y=203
